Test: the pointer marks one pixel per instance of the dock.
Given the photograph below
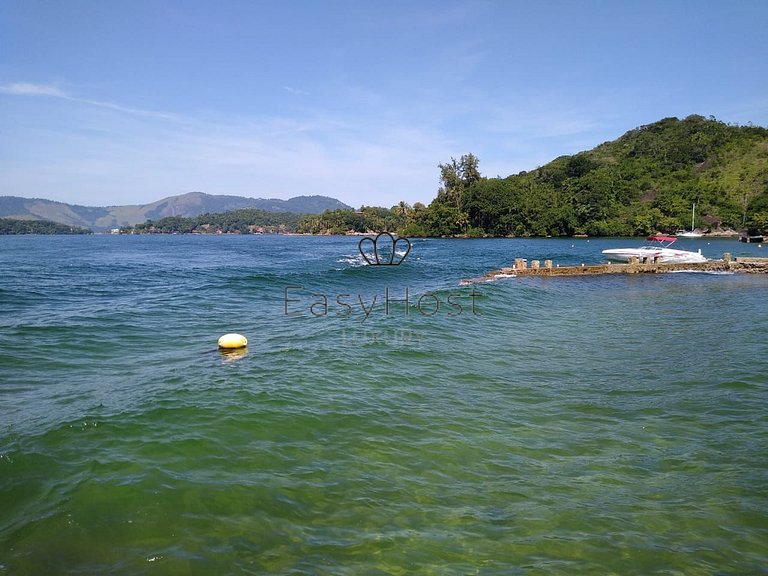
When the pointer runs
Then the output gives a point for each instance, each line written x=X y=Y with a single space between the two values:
x=726 y=264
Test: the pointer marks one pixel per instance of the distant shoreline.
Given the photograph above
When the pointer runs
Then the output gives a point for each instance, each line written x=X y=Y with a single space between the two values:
x=720 y=234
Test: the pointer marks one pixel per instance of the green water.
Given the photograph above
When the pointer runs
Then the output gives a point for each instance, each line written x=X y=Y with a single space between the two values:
x=608 y=425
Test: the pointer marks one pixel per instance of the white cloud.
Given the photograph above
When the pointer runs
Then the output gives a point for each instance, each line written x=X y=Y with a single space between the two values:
x=295 y=91
x=29 y=89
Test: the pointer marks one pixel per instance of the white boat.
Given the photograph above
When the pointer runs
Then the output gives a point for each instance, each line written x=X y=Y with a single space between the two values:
x=692 y=233
x=658 y=251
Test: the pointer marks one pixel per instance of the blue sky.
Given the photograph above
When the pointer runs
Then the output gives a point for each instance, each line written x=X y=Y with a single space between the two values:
x=111 y=102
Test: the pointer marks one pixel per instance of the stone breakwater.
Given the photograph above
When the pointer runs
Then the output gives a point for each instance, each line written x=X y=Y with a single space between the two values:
x=726 y=264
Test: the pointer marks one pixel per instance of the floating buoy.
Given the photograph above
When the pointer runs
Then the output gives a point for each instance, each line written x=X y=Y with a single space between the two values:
x=230 y=341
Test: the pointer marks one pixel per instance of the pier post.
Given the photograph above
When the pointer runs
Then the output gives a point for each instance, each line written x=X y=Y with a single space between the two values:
x=633 y=260
x=535 y=264
x=547 y=263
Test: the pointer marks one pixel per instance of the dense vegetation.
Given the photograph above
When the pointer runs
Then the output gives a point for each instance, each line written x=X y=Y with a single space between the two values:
x=244 y=221
x=644 y=182
x=367 y=219
x=14 y=226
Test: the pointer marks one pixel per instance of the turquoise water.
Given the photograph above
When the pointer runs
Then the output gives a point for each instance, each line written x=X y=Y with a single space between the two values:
x=597 y=425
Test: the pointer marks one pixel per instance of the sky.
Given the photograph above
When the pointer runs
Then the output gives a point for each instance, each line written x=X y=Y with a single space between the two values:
x=113 y=102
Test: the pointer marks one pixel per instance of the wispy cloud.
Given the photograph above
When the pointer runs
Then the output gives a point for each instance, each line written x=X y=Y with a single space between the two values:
x=30 y=89
x=295 y=91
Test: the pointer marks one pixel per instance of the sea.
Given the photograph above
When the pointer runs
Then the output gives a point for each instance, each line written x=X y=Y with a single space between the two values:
x=383 y=420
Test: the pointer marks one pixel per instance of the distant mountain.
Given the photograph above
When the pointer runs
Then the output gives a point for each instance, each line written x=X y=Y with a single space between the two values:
x=186 y=205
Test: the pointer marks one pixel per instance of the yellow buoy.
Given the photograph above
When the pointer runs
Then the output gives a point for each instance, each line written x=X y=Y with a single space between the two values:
x=230 y=341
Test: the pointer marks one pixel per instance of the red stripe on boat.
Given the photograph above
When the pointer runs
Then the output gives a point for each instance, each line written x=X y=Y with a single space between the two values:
x=662 y=238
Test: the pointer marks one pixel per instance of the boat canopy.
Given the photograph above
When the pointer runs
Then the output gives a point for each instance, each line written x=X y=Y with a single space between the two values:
x=662 y=238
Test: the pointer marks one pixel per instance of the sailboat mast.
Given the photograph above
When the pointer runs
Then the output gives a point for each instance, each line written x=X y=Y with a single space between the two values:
x=693 y=216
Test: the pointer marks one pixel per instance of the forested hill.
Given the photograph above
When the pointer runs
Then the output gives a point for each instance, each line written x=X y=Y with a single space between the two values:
x=645 y=181
x=11 y=226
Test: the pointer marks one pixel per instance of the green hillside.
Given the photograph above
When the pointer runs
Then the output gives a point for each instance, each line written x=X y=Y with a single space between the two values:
x=12 y=226
x=646 y=181
x=243 y=221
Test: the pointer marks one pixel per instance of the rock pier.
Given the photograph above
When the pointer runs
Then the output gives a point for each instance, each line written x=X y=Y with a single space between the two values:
x=547 y=268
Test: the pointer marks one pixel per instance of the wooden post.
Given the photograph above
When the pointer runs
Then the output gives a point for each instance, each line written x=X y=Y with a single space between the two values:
x=547 y=263
x=534 y=264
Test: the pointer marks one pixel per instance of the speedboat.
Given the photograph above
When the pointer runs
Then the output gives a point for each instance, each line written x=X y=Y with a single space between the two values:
x=658 y=251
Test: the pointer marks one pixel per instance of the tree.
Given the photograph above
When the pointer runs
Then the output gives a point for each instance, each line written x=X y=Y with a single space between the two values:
x=455 y=177
x=402 y=208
